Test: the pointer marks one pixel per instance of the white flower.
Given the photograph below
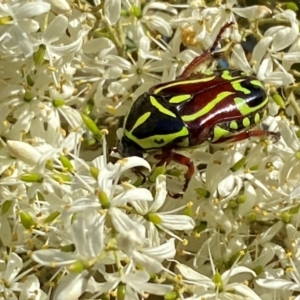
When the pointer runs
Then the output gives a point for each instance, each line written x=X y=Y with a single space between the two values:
x=96 y=227
x=222 y=179
x=53 y=33
x=13 y=266
x=30 y=289
x=218 y=287
x=288 y=149
x=267 y=54
x=264 y=263
x=19 y=15
x=141 y=250
x=108 y=195
x=268 y=234
x=88 y=237
x=51 y=143
x=164 y=220
x=171 y=60
x=155 y=15
x=284 y=37
x=264 y=64
x=13 y=282
x=225 y=13
x=283 y=284
x=137 y=71
x=135 y=282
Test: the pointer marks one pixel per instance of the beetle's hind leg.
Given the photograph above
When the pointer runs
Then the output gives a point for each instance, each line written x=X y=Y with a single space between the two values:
x=205 y=56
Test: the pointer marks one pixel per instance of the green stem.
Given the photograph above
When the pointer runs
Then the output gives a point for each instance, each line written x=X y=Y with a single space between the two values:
x=295 y=105
x=114 y=36
x=121 y=35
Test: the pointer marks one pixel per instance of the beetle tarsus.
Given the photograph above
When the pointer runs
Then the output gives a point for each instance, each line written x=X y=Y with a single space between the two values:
x=216 y=42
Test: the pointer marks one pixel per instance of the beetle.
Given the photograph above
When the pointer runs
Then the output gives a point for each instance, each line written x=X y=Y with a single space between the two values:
x=216 y=107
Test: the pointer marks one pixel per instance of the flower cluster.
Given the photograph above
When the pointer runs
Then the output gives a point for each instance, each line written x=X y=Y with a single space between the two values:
x=78 y=223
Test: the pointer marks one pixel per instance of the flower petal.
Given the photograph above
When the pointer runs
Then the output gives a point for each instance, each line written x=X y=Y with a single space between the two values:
x=23 y=152
x=31 y=9
x=56 y=29
x=260 y=50
x=132 y=162
x=112 y=11
x=71 y=287
x=133 y=194
x=239 y=59
x=53 y=257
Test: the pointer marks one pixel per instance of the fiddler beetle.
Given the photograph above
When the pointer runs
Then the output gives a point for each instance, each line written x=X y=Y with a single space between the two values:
x=216 y=107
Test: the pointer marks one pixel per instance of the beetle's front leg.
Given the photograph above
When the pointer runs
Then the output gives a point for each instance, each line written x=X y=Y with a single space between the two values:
x=165 y=157
x=248 y=134
x=184 y=160
x=169 y=155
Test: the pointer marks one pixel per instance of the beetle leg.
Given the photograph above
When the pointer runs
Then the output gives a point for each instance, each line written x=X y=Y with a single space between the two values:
x=165 y=157
x=186 y=161
x=248 y=134
x=206 y=55
x=139 y=173
x=217 y=40
x=169 y=155
x=190 y=69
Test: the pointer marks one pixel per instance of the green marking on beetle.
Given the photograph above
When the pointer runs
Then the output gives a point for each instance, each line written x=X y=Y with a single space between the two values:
x=256 y=118
x=226 y=75
x=183 y=82
x=152 y=141
x=180 y=98
x=237 y=86
x=246 y=122
x=257 y=83
x=208 y=72
x=233 y=125
x=207 y=108
x=220 y=132
x=161 y=108
x=246 y=109
x=142 y=119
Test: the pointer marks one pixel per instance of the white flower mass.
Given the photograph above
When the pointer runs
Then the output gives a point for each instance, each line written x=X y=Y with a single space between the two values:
x=77 y=221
